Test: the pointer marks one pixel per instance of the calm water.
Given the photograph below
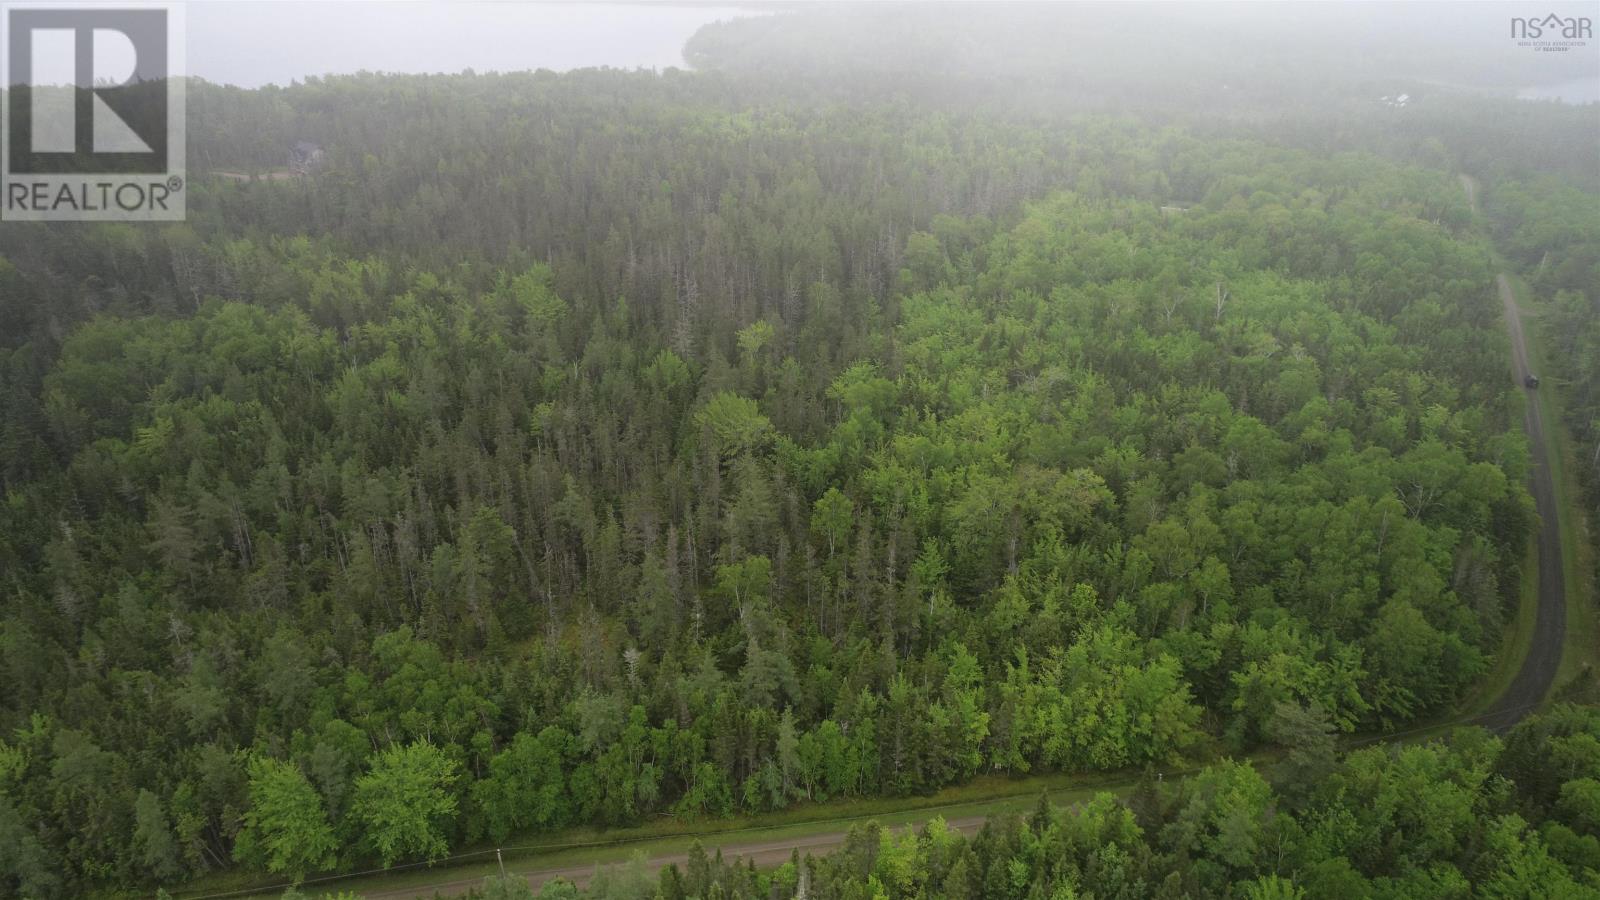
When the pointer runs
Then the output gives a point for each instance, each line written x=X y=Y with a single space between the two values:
x=1579 y=90
x=256 y=43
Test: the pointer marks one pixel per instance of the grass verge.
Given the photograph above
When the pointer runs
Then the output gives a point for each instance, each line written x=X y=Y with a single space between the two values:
x=984 y=795
x=1581 y=649
x=1514 y=644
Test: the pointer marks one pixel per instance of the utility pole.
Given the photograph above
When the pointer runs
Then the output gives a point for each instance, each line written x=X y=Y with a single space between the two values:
x=501 y=860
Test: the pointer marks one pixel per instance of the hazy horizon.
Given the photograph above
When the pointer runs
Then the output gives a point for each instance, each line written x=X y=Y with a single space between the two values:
x=257 y=43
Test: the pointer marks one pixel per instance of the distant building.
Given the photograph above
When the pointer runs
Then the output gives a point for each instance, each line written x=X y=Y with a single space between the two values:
x=305 y=158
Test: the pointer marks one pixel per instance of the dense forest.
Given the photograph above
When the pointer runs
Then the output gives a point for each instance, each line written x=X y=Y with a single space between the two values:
x=1432 y=820
x=583 y=449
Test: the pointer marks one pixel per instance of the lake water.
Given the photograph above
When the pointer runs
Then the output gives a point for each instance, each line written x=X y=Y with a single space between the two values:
x=1579 y=90
x=255 y=43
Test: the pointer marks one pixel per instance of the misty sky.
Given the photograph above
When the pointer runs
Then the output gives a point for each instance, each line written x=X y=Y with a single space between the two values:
x=256 y=43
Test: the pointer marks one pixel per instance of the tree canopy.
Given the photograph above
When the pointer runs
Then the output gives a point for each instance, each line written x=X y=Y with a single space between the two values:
x=578 y=449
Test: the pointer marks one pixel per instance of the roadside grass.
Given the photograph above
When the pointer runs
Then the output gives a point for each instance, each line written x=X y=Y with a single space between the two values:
x=255 y=177
x=1581 y=645
x=1581 y=649
x=984 y=795
x=1517 y=640
x=1514 y=643
x=586 y=847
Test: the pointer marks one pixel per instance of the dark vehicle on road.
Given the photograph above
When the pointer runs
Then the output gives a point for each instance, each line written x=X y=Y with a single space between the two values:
x=1531 y=381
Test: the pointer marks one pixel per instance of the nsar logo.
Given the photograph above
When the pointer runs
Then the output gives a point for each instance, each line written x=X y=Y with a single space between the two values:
x=1553 y=33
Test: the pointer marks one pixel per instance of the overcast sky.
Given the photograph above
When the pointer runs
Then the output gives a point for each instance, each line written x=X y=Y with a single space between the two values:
x=255 y=43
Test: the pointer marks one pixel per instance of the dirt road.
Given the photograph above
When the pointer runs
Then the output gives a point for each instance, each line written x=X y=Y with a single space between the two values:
x=766 y=854
x=261 y=176
x=1538 y=670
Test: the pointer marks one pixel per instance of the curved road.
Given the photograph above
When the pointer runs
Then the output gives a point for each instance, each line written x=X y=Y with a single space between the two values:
x=1527 y=689
x=1533 y=680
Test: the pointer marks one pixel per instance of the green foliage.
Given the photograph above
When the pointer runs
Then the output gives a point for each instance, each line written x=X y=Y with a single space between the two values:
x=605 y=445
x=153 y=837
x=1551 y=231
x=1396 y=821
x=526 y=787
x=405 y=803
x=512 y=887
x=735 y=423
x=286 y=829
